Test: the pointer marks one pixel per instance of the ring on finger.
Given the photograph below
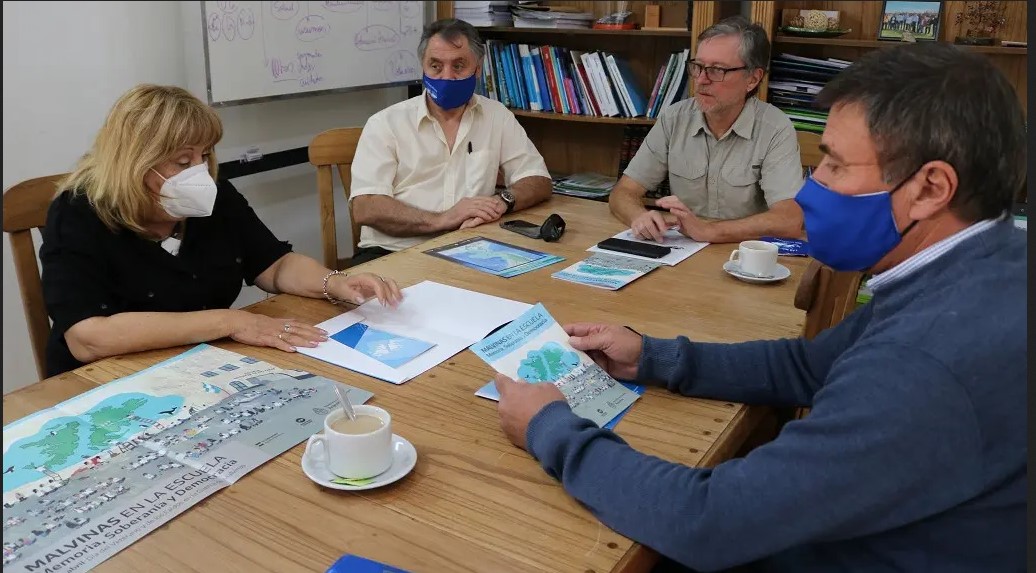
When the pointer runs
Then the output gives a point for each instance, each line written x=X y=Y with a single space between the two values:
x=281 y=336
x=287 y=327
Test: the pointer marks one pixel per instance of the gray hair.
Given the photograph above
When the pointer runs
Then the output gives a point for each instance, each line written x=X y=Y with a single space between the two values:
x=933 y=101
x=451 y=29
x=754 y=49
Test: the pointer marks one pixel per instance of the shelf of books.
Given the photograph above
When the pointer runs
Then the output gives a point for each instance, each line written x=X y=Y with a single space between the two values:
x=532 y=32
x=558 y=82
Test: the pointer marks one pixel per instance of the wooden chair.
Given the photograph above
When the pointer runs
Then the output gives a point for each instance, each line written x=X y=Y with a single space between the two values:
x=809 y=148
x=330 y=149
x=827 y=296
x=25 y=209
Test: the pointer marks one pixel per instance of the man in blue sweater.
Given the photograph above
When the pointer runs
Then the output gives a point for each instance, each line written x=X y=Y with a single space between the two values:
x=913 y=457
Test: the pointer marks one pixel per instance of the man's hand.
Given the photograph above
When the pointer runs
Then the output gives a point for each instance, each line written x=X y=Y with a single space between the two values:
x=519 y=402
x=615 y=348
x=650 y=225
x=485 y=208
x=690 y=225
x=471 y=223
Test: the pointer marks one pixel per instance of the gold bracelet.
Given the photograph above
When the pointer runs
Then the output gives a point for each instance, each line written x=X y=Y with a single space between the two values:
x=327 y=295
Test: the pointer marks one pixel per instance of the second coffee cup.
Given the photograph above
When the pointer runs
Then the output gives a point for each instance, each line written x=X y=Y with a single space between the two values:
x=756 y=258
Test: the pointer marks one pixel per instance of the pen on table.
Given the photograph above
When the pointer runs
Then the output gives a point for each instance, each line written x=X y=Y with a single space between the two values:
x=469 y=147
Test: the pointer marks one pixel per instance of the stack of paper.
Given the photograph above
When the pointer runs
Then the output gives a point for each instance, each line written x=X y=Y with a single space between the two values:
x=794 y=84
x=535 y=348
x=526 y=16
x=586 y=185
x=682 y=247
x=484 y=13
x=494 y=257
x=606 y=271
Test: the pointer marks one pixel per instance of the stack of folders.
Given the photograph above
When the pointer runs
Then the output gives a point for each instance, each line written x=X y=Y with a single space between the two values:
x=563 y=80
x=585 y=185
x=794 y=85
x=559 y=17
x=484 y=13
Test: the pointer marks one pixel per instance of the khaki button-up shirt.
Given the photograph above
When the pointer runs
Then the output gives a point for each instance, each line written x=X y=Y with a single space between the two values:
x=402 y=154
x=754 y=165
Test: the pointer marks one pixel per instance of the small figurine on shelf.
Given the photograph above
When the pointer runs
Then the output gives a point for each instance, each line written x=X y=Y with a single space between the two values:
x=984 y=20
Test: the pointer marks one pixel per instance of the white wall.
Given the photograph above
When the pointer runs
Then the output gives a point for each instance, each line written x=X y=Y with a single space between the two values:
x=65 y=64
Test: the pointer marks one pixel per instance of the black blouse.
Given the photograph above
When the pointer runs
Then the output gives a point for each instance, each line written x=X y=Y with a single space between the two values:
x=90 y=271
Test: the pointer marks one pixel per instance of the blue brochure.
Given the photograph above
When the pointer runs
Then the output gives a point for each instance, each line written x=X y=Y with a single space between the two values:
x=357 y=564
x=534 y=348
x=789 y=247
x=390 y=349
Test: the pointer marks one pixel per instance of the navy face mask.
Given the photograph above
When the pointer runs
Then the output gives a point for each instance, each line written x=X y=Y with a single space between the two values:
x=849 y=232
x=449 y=94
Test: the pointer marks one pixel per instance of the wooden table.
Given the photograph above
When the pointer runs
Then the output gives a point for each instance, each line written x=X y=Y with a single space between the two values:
x=474 y=502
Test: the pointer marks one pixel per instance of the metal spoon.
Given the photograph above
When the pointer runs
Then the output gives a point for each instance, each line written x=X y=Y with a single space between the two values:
x=346 y=406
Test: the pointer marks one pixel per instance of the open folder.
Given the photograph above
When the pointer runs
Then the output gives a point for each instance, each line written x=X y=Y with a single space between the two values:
x=432 y=323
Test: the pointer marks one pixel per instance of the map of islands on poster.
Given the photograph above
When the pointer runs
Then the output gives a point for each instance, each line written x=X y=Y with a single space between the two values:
x=535 y=348
x=97 y=472
x=494 y=257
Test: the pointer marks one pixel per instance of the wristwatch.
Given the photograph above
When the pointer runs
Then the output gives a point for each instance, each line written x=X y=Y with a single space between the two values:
x=508 y=198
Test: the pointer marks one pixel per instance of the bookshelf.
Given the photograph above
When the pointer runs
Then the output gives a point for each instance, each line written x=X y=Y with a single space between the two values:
x=780 y=41
x=863 y=19
x=573 y=143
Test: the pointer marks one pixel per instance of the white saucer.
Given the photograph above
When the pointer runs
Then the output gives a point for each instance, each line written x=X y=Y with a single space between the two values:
x=734 y=270
x=404 y=457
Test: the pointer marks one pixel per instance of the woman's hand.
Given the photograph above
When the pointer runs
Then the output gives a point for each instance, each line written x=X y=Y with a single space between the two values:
x=360 y=287
x=283 y=333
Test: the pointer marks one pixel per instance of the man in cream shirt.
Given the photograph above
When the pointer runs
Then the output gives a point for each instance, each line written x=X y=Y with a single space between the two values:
x=733 y=161
x=429 y=164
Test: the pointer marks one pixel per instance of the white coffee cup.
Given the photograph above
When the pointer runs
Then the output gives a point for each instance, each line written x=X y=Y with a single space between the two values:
x=758 y=258
x=354 y=456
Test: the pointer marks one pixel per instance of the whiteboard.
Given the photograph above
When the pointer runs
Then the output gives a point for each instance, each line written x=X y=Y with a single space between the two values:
x=256 y=51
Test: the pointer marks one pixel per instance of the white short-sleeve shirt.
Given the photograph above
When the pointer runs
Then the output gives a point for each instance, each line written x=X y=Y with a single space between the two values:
x=402 y=154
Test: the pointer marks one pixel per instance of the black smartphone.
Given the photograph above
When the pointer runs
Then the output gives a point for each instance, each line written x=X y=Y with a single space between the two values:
x=634 y=248
x=526 y=228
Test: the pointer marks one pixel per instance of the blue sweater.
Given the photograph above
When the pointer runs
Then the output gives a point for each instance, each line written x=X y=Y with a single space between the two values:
x=913 y=457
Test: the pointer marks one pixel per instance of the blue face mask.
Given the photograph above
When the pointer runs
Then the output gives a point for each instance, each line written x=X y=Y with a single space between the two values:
x=449 y=94
x=848 y=232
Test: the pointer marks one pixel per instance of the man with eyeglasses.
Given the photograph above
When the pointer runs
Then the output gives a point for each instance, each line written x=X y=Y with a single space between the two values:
x=732 y=160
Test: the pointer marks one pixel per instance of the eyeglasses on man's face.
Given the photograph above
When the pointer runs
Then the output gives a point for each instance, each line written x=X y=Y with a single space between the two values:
x=714 y=73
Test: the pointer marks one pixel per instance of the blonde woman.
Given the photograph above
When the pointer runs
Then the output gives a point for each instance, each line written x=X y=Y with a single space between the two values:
x=143 y=249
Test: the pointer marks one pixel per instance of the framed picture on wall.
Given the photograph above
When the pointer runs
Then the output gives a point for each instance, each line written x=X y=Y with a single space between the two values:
x=901 y=21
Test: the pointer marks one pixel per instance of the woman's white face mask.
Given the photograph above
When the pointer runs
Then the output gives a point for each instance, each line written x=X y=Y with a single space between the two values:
x=189 y=193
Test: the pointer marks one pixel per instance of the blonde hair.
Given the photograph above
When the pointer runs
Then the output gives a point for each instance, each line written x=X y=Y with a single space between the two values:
x=145 y=127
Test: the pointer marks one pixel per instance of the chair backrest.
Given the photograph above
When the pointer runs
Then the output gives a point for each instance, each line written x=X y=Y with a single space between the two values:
x=330 y=149
x=809 y=148
x=827 y=296
x=25 y=209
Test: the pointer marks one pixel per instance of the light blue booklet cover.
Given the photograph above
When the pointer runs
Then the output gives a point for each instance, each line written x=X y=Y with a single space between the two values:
x=494 y=257
x=386 y=347
x=605 y=271
x=535 y=348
